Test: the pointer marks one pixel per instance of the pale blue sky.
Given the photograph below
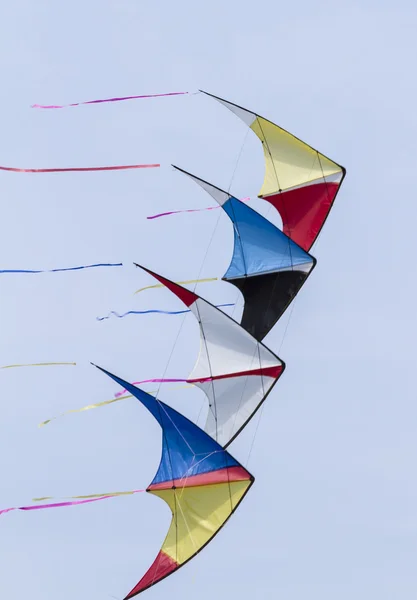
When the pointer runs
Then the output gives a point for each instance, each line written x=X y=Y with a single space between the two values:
x=333 y=511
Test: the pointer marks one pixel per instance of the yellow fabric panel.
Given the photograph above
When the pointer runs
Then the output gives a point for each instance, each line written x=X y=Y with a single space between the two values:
x=289 y=161
x=198 y=513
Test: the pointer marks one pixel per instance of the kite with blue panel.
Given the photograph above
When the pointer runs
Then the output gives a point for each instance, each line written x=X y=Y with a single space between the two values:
x=267 y=266
x=198 y=479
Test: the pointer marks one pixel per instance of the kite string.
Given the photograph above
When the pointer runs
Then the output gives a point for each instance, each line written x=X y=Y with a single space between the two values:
x=239 y=156
x=198 y=277
x=183 y=319
x=218 y=218
x=261 y=411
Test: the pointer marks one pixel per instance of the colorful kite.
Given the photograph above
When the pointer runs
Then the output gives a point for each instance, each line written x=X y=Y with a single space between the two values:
x=267 y=266
x=300 y=181
x=199 y=480
x=197 y=477
x=234 y=370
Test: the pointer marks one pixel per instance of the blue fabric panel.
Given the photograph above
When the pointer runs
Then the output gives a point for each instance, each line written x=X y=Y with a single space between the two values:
x=260 y=247
x=186 y=449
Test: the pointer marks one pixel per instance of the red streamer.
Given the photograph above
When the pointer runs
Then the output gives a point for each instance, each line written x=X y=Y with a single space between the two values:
x=72 y=169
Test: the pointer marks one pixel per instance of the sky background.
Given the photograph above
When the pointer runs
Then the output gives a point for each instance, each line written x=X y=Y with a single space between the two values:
x=333 y=512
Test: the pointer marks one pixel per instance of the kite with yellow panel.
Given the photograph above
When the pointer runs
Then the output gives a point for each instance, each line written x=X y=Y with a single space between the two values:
x=299 y=181
x=199 y=480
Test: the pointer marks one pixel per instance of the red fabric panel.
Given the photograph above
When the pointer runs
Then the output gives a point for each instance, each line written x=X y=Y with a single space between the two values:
x=187 y=297
x=220 y=476
x=162 y=566
x=267 y=372
x=304 y=211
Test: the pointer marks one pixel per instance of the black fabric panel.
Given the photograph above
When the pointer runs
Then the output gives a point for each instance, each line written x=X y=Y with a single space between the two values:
x=266 y=299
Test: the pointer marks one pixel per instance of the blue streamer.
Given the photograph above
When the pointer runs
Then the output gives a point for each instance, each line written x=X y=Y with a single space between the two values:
x=145 y=312
x=67 y=269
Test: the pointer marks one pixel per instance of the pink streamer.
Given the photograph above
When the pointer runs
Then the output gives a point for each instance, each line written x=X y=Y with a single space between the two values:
x=108 y=100
x=62 y=504
x=188 y=210
x=150 y=381
x=198 y=380
x=81 y=169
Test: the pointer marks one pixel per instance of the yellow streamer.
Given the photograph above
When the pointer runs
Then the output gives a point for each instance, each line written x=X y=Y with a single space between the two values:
x=50 y=364
x=159 y=285
x=90 y=406
x=129 y=493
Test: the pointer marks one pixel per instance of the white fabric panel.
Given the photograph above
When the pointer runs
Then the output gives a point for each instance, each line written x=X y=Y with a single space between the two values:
x=225 y=346
x=218 y=195
x=232 y=402
x=333 y=178
x=246 y=116
x=304 y=268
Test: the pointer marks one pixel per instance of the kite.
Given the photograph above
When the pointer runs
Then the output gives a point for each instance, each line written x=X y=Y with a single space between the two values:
x=234 y=370
x=300 y=182
x=267 y=266
x=199 y=480
x=197 y=477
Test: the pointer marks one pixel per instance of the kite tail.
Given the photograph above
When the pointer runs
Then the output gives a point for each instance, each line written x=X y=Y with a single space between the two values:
x=73 y=169
x=188 y=210
x=63 y=269
x=120 y=99
x=146 y=312
x=86 y=500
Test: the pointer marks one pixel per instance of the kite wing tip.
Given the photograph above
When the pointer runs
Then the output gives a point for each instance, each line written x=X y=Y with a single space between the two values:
x=141 y=267
x=147 y=270
x=181 y=170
